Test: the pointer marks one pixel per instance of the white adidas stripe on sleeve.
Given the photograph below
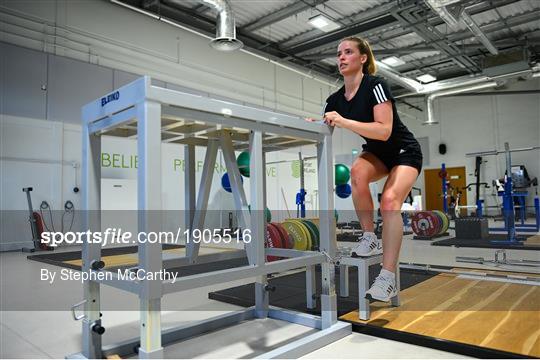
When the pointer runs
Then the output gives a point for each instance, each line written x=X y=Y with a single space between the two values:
x=379 y=94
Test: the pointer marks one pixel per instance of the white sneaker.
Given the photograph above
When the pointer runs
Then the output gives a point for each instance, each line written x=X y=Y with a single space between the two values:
x=369 y=245
x=383 y=288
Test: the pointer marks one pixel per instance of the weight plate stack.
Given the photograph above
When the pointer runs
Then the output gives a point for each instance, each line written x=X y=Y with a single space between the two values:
x=297 y=233
x=272 y=240
x=426 y=223
x=315 y=235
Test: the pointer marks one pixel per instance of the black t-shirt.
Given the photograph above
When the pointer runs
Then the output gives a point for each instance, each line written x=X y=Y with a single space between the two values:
x=372 y=91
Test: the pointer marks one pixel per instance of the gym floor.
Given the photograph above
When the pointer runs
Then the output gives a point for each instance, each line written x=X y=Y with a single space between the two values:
x=54 y=334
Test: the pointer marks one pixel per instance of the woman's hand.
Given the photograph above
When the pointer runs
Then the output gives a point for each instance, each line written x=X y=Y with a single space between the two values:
x=333 y=118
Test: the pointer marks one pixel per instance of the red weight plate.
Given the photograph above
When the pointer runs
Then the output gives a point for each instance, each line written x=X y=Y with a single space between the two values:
x=286 y=240
x=274 y=241
x=425 y=223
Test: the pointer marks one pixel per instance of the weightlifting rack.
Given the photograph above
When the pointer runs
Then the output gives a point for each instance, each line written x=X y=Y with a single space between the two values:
x=154 y=115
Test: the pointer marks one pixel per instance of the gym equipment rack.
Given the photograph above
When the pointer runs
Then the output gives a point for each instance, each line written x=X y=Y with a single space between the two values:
x=154 y=115
x=508 y=196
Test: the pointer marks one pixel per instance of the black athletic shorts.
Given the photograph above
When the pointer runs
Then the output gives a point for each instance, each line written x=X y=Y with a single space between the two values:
x=411 y=156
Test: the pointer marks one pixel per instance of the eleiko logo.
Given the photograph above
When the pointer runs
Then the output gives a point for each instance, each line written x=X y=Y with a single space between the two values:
x=111 y=97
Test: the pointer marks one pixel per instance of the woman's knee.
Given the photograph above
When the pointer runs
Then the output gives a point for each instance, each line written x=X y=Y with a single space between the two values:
x=390 y=201
x=360 y=185
x=359 y=176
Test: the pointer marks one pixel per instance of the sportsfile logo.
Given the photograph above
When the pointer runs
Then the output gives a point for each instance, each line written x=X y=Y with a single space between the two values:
x=111 y=97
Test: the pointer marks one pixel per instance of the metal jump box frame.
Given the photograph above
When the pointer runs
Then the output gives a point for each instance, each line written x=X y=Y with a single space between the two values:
x=153 y=115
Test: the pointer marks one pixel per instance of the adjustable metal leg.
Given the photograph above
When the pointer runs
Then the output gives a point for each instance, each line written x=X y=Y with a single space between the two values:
x=91 y=252
x=363 y=285
x=395 y=299
x=343 y=280
x=149 y=205
x=311 y=287
x=258 y=222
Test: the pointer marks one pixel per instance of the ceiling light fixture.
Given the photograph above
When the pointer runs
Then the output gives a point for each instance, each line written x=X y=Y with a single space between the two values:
x=393 y=61
x=426 y=78
x=323 y=23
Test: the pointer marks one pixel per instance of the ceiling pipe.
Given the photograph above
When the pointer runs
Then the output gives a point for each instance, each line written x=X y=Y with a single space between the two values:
x=429 y=103
x=225 y=39
x=398 y=78
x=469 y=81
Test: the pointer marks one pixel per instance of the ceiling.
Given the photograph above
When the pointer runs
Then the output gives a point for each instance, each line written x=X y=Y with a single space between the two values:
x=412 y=30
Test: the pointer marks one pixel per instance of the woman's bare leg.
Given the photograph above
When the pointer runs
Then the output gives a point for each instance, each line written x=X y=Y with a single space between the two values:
x=398 y=185
x=367 y=168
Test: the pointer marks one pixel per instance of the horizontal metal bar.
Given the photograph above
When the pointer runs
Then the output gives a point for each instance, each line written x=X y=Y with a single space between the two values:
x=296 y=317
x=112 y=121
x=233 y=110
x=508 y=280
x=243 y=272
x=519 y=228
x=309 y=343
x=496 y=152
x=200 y=115
x=289 y=253
x=464 y=272
x=360 y=261
x=169 y=336
x=266 y=127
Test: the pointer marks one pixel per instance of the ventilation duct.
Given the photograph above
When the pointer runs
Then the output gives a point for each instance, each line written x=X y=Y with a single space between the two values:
x=429 y=104
x=225 y=39
x=395 y=76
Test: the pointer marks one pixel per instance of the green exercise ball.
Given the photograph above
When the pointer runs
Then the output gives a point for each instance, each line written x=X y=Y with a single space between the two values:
x=342 y=174
x=243 y=163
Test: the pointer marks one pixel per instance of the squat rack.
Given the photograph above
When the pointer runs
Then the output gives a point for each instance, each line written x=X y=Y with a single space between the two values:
x=154 y=115
x=508 y=195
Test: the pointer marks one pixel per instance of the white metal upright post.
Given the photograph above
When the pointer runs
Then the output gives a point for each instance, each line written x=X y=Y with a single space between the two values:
x=327 y=231
x=258 y=219
x=149 y=211
x=91 y=204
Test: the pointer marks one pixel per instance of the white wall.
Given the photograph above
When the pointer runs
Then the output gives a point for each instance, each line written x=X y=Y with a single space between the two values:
x=105 y=34
x=469 y=123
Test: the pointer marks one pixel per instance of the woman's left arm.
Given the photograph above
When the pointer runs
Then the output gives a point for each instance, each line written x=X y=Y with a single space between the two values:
x=380 y=129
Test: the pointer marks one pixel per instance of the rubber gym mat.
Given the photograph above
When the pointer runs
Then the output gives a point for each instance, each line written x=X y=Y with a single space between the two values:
x=67 y=259
x=209 y=267
x=290 y=290
x=485 y=243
